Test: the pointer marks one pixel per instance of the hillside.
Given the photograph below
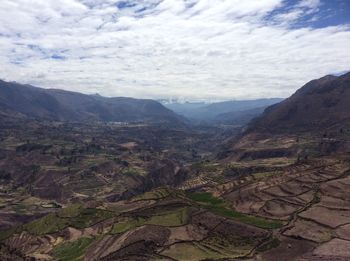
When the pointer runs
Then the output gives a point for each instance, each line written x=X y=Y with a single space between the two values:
x=97 y=191
x=321 y=103
x=53 y=104
x=239 y=117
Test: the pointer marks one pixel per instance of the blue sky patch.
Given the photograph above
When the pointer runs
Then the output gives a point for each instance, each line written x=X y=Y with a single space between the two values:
x=58 y=57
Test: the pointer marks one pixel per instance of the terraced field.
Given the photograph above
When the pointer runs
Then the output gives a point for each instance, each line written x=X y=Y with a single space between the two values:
x=102 y=194
x=298 y=212
x=313 y=201
x=172 y=227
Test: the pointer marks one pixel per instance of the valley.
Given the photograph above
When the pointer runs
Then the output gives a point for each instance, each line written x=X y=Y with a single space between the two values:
x=106 y=190
x=174 y=130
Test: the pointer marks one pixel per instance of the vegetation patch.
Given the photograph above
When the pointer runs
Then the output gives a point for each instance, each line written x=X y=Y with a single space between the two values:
x=90 y=216
x=71 y=211
x=175 y=218
x=205 y=197
x=20 y=209
x=153 y=195
x=4 y=234
x=48 y=224
x=133 y=171
x=172 y=218
x=205 y=167
x=269 y=245
x=72 y=216
x=72 y=251
x=218 y=206
x=126 y=225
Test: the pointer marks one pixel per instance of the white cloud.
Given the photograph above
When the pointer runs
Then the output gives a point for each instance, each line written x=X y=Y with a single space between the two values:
x=287 y=18
x=297 y=11
x=199 y=49
x=309 y=3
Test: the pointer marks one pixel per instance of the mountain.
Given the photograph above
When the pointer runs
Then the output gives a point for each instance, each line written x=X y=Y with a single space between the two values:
x=314 y=121
x=319 y=104
x=229 y=112
x=239 y=117
x=54 y=104
x=187 y=109
x=96 y=191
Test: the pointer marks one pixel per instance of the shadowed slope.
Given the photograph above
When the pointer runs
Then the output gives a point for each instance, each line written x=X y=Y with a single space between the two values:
x=52 y=104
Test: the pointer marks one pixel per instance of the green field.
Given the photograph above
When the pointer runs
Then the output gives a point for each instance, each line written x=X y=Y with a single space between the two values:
x=153 y=195
x=71 y=211
x=218 y=206
x=172 y=219
x=48 y=224
x=169 y=218
x=127 y=224
x=72 y=251
x=73 y=216
x=4 y=234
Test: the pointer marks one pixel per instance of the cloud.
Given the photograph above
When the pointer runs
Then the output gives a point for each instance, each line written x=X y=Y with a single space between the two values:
x=196 y=49
x=312 y=4
x=294 y=13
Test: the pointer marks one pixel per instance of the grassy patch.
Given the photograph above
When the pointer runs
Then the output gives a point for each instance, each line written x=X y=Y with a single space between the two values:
x=48 y=224
x=269 y=245
x=72 y=251
x=204 y=167
x=126 y=225
x=72 y=216
x=71 y=211
x=20 y=209
x=90 y=216
x=205 y=197
x=218 y=206
x=172 y=219
x=247 y=219
x=154 y=194
x=4 y=234
x=261 y=175
x=133 y=171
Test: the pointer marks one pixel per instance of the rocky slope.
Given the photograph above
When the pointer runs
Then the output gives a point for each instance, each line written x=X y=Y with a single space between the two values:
x=321 y=103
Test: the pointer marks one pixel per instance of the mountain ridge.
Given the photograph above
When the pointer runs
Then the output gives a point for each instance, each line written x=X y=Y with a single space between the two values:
x=319 y=103
x=56 y=104
x=221 y=112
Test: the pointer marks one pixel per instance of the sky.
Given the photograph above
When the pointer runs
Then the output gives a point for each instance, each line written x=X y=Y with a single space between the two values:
x=174 y=49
